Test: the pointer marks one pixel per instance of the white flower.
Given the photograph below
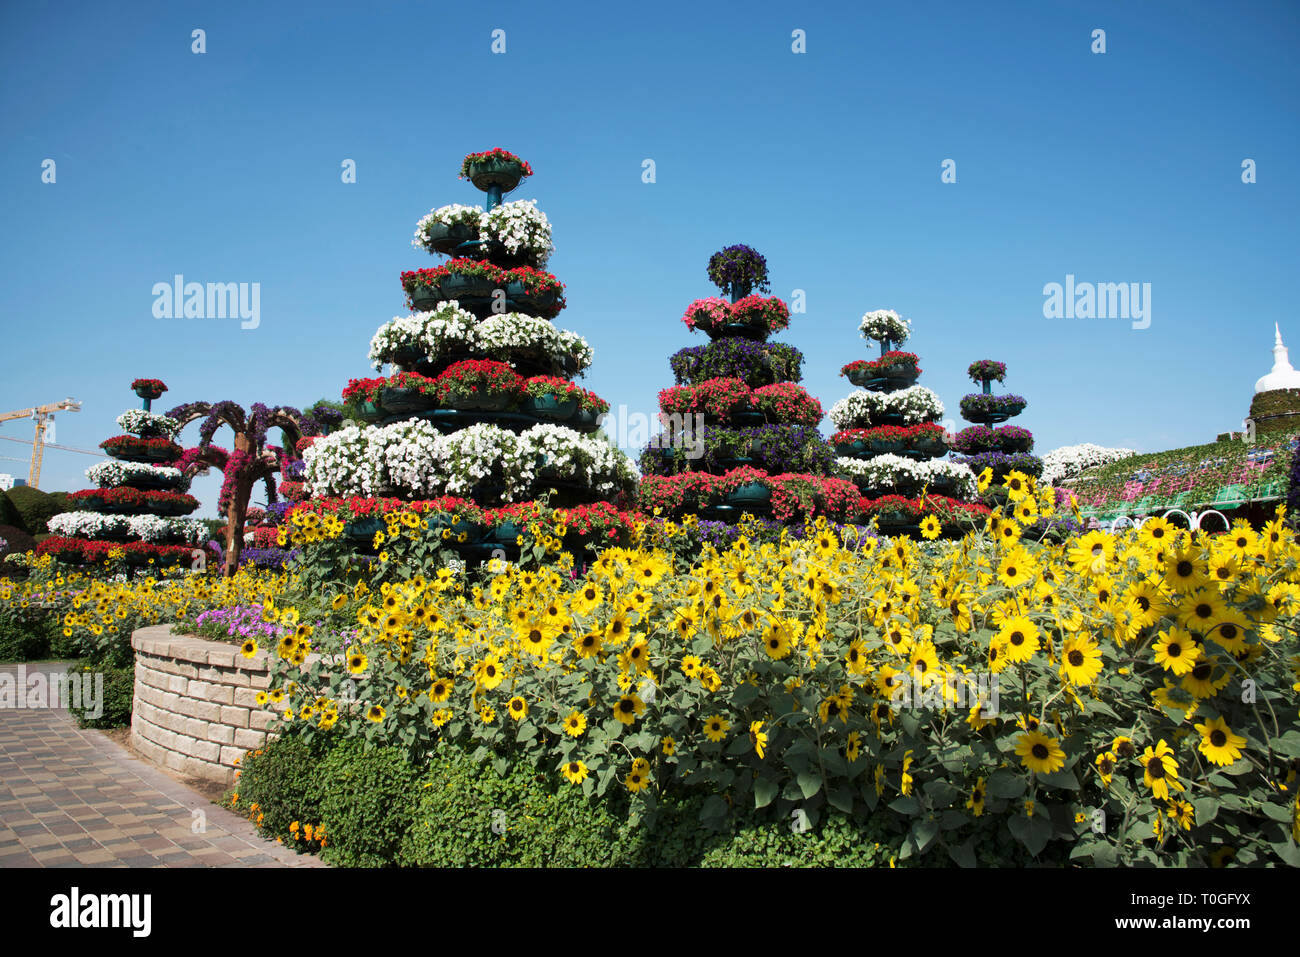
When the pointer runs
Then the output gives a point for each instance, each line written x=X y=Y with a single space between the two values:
x=448 y=327
x=860 y=409
x=1070 y=460
x=887 y=471
x=452 y=215
x=148 y=528
x=522 y=228
x=885 y=324
x=114 y=473
x=136 y=421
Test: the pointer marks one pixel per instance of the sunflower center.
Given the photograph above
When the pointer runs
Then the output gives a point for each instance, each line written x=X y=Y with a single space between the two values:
x=1218 y=738
x=1174 y=649
x=1156 y=768
x=1040 y=752
x=1183 y=569
x=1076 y=658
x=1017 y=638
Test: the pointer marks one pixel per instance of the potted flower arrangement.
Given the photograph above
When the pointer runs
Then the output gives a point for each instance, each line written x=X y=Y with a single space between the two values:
x=985 y=408
x=893 y=370
x=744 y=487
x=886 y=327
x=738 y=270
x=535 y=288
x=494 y=168
x=407 y=392
x=987 y=370
x=518 y=232
x=757 y=363
x=446 y=228
x=787 y=402
x=756 y=317
x=479 y=384
x=133 y=448
x=361 y=399
x=708 y=313
x=551 y=397
x=148 y=388
x=718 y=399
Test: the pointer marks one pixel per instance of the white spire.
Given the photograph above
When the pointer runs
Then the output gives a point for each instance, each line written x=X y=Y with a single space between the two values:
x=1283 y=375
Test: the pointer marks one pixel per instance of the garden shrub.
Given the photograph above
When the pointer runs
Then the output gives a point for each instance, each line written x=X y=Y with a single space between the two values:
x=17 y=541
x=8 y=512
x=32 y=634
x=367 y=800
x=282 y=781
x=118 y=694
x=34 y=507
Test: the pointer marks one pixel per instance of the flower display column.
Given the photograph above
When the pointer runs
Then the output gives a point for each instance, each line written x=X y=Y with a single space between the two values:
x=993 y=450
x=139 y=498
x=740 y=433
x=890 y=443
x=481 y=416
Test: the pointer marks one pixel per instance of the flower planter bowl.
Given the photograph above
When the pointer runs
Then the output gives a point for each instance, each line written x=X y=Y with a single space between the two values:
x=894 y=519
x=750 y=495
x=753 y=331
x=748 y=419
x=860 y=377
x=485 y=402
x=1012 y=444
x=900 y=378
x=856 y=449
x=369 y=411
x=551 y=407
x=363 y=529
x=731 y=463
x=467 y=288
x=145 y=392
x=585 y=421
x=930 y=447
x=444 y=239
x=148 y=483
x=401 y=401
x=408 y=357
x=506 y=533
x=425 y=297
x=502 y=173
x=881 y=446
x=888 y=418
x=473 y=531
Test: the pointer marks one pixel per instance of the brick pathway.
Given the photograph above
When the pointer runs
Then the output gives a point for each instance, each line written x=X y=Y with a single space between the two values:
x=74 y=798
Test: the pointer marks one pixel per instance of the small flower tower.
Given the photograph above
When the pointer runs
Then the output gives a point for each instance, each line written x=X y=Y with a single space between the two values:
x=482 y=417
x=740 y=433
x=988 y=444
x=139 y=497
x=889 y=440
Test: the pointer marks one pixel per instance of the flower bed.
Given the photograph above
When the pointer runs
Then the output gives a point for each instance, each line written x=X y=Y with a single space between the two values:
x=1071 y=460
x=541 y=287
x=893 y=363
x=1002 y=463
x=793 y=496
x=148 y=528
x=721 y=398
x=79 y=551
x=978 y=405
x=130 y=499
x=142 y=423
x=889 y=471
x=136 y=474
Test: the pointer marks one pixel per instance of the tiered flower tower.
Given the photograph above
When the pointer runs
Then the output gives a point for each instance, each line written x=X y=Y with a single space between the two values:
x=138 y=499
x=740 y=435
x=988 y=443
x=889 y=440
x=482 y=415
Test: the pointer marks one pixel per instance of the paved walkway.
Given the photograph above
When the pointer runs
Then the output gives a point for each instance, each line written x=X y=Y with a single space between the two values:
x=74 y=798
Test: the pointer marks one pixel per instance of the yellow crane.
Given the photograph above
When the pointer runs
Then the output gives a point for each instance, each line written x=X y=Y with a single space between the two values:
x=40 y=414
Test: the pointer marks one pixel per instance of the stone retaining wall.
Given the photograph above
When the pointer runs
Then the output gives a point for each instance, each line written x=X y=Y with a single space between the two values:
x=195 y=708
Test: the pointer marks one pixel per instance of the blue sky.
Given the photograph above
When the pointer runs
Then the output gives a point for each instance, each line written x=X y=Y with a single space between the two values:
x=225 y=167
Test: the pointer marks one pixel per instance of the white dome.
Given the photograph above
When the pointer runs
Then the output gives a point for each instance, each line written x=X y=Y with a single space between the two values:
x=1283 y=374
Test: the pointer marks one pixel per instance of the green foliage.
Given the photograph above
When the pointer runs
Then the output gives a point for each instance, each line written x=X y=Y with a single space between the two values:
x=1277 y=410
x=8 y=512
x=32 y=634
x=35 y=508
x=283 y=780
x=367 y=802
x=118 y=694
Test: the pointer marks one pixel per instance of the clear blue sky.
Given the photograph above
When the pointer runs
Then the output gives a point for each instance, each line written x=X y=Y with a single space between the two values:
x=225 y=167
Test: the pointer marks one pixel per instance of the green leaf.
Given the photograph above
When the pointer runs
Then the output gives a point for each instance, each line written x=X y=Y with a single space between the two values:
x=963 y=855
x=714 y=813
x=764 y=792
x=841 y=798
x=1206 y=808
x=809 y=783
x=905 y=805
x=924 y=831
x=1032 y=832
x=1063 y=778
x=1005 y=784
x=940 y=792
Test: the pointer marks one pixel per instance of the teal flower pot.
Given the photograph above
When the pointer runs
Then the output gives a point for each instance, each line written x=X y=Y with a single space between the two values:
x=551 y=407
x=504 y=174
x=750 y=495
x=445 y=239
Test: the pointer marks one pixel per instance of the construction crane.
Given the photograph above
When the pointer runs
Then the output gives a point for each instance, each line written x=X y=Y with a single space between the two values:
x=40 y=414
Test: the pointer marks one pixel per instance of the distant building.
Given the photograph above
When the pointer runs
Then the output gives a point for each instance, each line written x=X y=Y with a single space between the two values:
x=6 y=481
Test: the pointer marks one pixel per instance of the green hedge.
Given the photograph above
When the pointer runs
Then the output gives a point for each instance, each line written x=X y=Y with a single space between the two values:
x=118 y=693
x=33 y=634
x=34 y=507
x=379 y=810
